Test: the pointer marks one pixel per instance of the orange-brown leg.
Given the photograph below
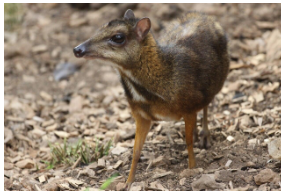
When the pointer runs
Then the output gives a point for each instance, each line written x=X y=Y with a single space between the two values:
x=142 y=128
x=190 y=123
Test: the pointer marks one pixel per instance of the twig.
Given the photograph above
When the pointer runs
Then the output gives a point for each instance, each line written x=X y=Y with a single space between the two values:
x=37 y=188
x=77 y=162
x=149 y=165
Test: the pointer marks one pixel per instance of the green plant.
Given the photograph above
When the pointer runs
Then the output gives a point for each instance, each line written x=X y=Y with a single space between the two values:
x=102 y=149
x=87 y=189
x=108 y=181
x=12 y=15
x=67 y=154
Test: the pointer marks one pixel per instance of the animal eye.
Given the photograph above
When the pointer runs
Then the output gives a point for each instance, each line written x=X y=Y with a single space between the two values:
x=118 y=38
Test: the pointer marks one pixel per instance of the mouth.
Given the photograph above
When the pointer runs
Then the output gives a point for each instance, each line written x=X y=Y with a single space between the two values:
x=93 y=56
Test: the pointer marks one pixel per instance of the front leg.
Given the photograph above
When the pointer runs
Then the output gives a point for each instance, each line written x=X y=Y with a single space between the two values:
x=190 y=123
x=142 y=128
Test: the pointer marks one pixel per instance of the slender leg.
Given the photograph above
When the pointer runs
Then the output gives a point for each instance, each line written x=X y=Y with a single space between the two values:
x=195 y=133
x=205 y=135
x=190 y=123
x=142 y=128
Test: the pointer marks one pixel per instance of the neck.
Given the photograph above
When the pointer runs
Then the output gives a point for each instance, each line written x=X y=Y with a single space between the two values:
x=150 y=71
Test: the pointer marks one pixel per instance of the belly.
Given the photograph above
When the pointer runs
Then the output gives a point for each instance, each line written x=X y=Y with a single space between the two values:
x=157 y=112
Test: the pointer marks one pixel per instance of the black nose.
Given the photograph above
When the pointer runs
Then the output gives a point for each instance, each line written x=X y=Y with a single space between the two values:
x=79 y=51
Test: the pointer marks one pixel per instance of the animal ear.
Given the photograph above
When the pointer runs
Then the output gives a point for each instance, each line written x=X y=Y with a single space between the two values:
x=142 y=28
x=129 y=14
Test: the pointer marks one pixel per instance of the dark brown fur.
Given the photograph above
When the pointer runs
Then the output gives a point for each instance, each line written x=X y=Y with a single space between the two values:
x=168 y=79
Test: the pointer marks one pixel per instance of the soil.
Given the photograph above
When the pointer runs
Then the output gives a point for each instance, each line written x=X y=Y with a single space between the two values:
x=243 y=118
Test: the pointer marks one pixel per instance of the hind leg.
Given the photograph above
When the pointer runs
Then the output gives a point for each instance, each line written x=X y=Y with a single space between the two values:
x=205 y=135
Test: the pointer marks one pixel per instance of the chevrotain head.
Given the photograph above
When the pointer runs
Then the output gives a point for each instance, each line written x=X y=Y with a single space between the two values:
x=119 y=40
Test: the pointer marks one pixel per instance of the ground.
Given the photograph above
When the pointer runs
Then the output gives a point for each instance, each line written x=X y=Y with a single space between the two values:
x=40 y=111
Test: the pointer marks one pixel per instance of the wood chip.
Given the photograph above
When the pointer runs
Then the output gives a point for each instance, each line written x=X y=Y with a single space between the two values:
x=274 y=149
x=8 y=135
x=182 y=181
x=46 y=96
x=39 y=49
x=228 y=163
x=64 y=186
x=160 y=175
x=101 y=163
x=74 y=183
x=42 y=179
x=27 y=164
x=51 y=128
x=8 y=166
x=62 y=134
x=118 y=164
x=118 y=150
x=48 y=123
x=266 y=24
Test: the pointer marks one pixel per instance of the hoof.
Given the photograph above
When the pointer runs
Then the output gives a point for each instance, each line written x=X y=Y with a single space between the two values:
x=128 y=186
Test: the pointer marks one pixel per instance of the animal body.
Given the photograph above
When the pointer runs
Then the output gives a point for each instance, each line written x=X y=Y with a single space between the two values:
x=166 y=79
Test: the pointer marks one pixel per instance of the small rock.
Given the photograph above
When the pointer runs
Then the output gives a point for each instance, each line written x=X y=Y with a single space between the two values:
x=253 y=142
x=228 y=163
x=107 y=100
x=120 y=186
x=263 y=187
x=46 y=96
x=266 y=175
x=28 y=79
x=137 y=186
x=27 y=163
x=76 y=22
x=230 y=138
x=190 y=172
x=123 y=116
x=182 y=181
x=274 y=149
x=250 y=164
x=8 y=183
x=119 y=150
x=64 y=70
x=76 y=104
x=207 y=182
x=8 y=166
x=252 y=170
